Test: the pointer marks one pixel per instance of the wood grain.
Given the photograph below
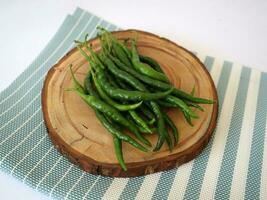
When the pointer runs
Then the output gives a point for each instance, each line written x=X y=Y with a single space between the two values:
x=78 y=135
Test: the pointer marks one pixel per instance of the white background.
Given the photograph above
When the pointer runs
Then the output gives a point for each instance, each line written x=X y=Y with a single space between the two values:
x=235 y=30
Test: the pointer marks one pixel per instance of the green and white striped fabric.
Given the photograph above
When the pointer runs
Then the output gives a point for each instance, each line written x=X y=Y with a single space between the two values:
x=233 y=166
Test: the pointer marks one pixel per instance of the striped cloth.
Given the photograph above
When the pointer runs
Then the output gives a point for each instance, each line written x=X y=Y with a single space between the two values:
x=232 y=166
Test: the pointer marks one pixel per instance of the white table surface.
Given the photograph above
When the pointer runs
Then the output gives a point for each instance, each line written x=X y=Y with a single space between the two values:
x=232 y=29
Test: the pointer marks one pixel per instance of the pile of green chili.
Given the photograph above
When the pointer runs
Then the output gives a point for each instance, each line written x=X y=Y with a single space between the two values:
x=130 y=91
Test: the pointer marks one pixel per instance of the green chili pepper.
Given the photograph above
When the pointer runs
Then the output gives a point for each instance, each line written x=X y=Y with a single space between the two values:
x=111 y=112
x=121 y=54
x=151 y=62
x=147 y=114
x=120 y=50
x=77 y=85
x=161 y=85
x=195 y=105
x=181 y=94
x=140 y=79
x=150 y=81
x=89 y=86
x=144 y=69
x=166 y=104
x=122 y=74
x=140 y=121
x=105 y=97
x=125 y=49
x=122 y=94
x=142 y=130
x=161 y=128
x=181 y=104
x=142 y=125
x=188 y=118
x=117 y=138
x=114 y=131
x=168 y=139
x=118 y=152
x=172 y=126
x=111 y=79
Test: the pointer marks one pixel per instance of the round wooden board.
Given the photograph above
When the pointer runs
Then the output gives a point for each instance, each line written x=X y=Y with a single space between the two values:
x=78 y=135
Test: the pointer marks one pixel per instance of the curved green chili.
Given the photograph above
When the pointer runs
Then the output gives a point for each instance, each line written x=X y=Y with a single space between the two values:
x=77 y=85
x=117 y=132
x=144 y=69
x=121 y=54
x=181 y=94
x=105 y=97
x=166 y=104
x=181 y=104
x=190 y=104
x=168 y=139
x=122 y=94
x=140 y=121
x=172 y=126
x=151 y=62
x=150 y=81
x=160 y=125
x=89 y=86
x=188 y=118
x=122 y=74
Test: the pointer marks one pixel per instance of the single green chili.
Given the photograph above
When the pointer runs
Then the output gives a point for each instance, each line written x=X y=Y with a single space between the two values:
x=181 y=94
x=188 y=118
x=172 y=126
x=88 y=84
x=143 y=68
x=166 y=104
x=168 y=139
x=118 y=152
x=140 y=121
x=190 y=104
x=105 y=97
x=181 y=104
x=160 y=127
x=151 y=62
x=77 y=85
x=142 y=130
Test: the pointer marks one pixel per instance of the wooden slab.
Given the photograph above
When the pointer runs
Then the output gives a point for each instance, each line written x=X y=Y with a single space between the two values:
x=78 y=135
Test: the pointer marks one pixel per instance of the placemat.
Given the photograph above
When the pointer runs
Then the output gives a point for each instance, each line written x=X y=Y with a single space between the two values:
x=233 y=165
